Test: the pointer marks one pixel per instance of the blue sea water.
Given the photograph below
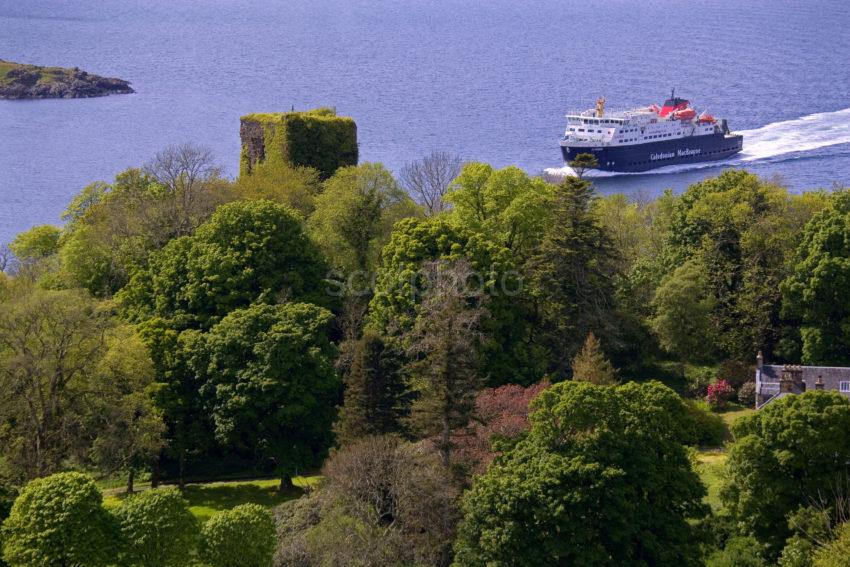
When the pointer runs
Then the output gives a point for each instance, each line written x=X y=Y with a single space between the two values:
x=487 y=79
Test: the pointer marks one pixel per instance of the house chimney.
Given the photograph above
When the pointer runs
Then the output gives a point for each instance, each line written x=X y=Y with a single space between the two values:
x=759 y=360
x=785 y=384
x=819 y=383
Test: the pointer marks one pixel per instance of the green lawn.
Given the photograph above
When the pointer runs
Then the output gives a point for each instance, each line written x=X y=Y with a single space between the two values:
x=731 y=415
x=205 y=499
x=711 y=466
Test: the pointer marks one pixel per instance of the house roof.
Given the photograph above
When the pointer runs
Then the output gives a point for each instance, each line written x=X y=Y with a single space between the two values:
x=831 y=375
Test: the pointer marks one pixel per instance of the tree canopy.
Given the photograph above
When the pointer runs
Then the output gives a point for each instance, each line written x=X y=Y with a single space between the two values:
x=816 y=292
x=268 y=383
x=355 y=213
x=600 y=465
x=248 y=251
x=506 y=205
x=790 y=453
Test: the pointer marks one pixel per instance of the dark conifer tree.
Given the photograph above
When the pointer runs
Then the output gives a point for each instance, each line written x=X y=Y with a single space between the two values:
x=375 y=391
x=572 y=275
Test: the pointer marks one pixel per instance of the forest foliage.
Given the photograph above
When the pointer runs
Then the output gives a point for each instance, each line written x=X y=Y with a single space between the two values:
x=473 y=358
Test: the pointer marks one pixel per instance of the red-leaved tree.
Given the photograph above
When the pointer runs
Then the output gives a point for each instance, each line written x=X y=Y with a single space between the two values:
x=501 y=414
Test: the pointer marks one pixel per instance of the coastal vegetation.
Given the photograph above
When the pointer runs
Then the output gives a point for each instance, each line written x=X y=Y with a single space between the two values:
x=317 y=363
x=21 y=81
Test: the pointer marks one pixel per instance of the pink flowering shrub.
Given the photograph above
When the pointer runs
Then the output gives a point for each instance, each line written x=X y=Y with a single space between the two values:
x=719 y=393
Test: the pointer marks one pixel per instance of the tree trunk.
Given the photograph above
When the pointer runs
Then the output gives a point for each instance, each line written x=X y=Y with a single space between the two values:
x=285 y=484
x=131 y=476
x=181 y=475
x=155 y=473
x=445 y=442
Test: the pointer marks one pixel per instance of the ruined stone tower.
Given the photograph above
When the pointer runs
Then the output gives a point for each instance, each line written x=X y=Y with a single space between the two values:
x=316 y=138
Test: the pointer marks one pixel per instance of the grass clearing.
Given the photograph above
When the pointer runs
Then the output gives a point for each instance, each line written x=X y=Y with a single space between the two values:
x=711 y=467
x=731 y=415
x=205 y=499
x=711 y=463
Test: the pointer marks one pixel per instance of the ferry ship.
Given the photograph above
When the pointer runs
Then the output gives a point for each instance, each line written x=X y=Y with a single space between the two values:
x=644 y=138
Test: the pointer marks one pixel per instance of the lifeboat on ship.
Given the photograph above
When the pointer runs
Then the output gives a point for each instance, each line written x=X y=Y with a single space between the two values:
x=684 y=114
x=706 y=118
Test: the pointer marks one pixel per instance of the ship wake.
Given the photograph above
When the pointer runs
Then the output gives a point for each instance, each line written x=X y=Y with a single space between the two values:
x=770 y=142
x=799 y=135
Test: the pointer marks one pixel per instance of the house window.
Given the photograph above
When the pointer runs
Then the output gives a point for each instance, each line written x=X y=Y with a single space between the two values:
x=844 y=386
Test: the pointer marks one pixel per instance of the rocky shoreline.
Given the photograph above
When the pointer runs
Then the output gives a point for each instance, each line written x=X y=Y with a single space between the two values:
x=19 y=81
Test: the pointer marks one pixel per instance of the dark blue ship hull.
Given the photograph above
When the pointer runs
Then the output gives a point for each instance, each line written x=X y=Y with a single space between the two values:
x=643 y=157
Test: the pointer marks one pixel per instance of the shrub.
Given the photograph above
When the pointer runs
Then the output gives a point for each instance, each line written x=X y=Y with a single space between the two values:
x=739 y=552
x=293 y=519
x=700 y=426
x=797 y=553
x=698 y=379
x=59 y=520
x=747 y=394
x=157 y=528
x=719 y=393
x=835 y=553
x=735 y=373
x=384 y=498
x=241 y=537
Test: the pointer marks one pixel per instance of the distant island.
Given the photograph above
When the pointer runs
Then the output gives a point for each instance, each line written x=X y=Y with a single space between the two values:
x=20 y=81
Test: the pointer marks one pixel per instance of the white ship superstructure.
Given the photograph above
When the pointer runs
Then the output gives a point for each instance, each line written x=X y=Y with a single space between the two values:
x=647 y=137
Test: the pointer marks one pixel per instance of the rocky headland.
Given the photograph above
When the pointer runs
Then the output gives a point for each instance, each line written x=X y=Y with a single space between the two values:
x=20 y=81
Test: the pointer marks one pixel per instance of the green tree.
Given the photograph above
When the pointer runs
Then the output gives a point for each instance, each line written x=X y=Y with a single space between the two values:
x=786 y=455
x=572 y=275
x=509 y=354
x=50 y=344
x=128 y=426
x=241 y=537
x=247 y=251
x=815 y=294
x=684 y=306
x=376 y=397
x=582 y=163
x=157 y=529
x=600 y=464
x=443 y=345
x=810 y=526
x=36 y=243
x=59 y=520
x=112 y=228
x=509 y=207
x=295 y=187
x=355 y=214
x=269 y=385
x=743 y=231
